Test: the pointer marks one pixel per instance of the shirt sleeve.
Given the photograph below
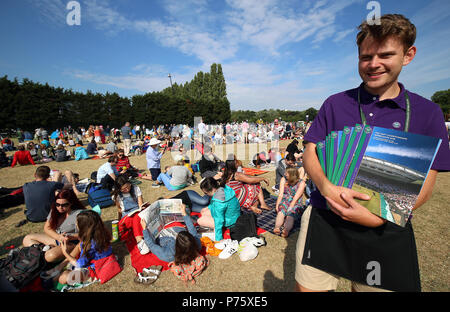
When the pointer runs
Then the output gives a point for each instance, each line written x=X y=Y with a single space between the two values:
x=219 y=220
x=318 y=130
x=137 y=191
x=14 y=162
x=437 y=128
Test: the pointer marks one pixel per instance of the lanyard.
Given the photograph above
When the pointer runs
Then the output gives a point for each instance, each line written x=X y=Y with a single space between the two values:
x=408 y=111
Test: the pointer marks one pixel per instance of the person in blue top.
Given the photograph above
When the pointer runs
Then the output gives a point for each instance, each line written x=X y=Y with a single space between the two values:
x=95 y=244
x=166 y=248
x=153 y=156
x=223 y=210
x=80 y=152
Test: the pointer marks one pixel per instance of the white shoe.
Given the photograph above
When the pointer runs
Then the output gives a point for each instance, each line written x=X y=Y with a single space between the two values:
x=222 y=244
x=143 y=248
x=229 y=250
x=257 y=241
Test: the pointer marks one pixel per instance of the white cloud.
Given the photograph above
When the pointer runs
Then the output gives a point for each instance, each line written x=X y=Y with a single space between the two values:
x=342 y=34
x=143 y=78
x=414 y=153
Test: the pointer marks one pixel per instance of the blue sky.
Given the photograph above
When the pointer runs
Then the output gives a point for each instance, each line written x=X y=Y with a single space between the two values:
x=281 y=54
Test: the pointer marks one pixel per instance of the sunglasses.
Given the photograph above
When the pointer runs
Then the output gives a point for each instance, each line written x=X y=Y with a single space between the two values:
x=62 y=205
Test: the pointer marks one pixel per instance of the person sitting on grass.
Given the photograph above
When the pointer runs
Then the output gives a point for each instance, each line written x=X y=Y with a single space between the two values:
x=46 y=153
x=61 y=154
x=33 y=151
x=80 y=152
x=107 y=173
x=94 y=245
x=111 y=146
x=92 y=147
x=7 y=144
x=127 y=197
x=40 y=194
x=223 y=210
x=60 y=225
x=22 y=157
x=209 y=164
x=176 y=177
x=168 y=248
x=123 y=164
x=248 y=189
x=288 y=204
x=288 y=161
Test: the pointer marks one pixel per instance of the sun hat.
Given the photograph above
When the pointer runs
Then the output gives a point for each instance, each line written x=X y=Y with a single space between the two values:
x=154 y=141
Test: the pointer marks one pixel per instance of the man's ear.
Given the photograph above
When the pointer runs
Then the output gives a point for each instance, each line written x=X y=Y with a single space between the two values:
x=409 y=55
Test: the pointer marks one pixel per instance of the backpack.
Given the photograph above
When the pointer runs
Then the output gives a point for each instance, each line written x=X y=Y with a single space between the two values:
x=99 y=196
x=245 y=226
x=188 y=272
x=22 y=266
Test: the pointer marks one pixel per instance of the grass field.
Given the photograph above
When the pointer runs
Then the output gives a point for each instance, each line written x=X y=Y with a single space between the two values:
x=272 y=270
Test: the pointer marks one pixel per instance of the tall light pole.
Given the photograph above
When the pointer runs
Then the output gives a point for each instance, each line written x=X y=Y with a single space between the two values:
x=170 y=77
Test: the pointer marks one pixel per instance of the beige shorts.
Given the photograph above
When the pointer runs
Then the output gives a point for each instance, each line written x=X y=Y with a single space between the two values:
x=315 y=279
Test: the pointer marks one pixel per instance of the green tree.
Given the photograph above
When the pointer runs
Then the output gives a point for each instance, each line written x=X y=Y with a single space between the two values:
x=442 y=98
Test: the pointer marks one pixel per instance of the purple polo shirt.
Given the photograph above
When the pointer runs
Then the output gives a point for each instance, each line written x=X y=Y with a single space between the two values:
x=342 y=109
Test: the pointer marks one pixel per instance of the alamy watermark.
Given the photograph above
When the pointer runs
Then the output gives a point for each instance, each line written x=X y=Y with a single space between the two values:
x=373 y=18
x=374 y=276
x=74 y=16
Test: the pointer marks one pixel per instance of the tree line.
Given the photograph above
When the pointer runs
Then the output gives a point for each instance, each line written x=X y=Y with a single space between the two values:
x=29 y=105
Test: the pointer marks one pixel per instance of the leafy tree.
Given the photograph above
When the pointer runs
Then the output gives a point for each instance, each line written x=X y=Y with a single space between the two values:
x=443 y=99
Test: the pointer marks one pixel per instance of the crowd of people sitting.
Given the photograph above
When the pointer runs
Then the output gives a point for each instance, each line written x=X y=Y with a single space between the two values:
x=74 y=238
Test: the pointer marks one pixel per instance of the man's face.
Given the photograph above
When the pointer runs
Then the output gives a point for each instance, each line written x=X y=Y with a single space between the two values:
x=380 y=63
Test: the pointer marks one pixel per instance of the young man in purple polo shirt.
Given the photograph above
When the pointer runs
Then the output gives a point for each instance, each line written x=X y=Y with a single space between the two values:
x=347 y=240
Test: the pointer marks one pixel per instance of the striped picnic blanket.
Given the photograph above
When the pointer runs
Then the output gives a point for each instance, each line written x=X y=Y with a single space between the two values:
x=266 y=220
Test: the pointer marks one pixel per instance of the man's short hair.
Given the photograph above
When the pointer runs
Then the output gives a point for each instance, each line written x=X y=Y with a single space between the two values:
x=391 y=25
x=43 y=172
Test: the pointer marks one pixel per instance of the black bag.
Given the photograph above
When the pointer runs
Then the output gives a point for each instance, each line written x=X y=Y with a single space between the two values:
x=23 y=265
x=346 y=249
x=245 y=226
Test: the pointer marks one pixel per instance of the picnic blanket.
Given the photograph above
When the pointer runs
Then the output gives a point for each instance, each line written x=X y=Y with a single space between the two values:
x=253 y=171
x=129 y=227
x=266 y=220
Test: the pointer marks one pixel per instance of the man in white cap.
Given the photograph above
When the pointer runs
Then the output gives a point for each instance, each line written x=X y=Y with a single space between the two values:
x=153 y=156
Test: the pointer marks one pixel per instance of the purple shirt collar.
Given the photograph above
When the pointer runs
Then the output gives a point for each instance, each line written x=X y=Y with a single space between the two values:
x=368 y=98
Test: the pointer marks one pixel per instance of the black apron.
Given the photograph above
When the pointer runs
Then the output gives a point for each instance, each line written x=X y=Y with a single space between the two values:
x=349 y=250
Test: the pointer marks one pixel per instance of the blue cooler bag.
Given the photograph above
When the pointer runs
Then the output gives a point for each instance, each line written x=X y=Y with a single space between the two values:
x=101 y=197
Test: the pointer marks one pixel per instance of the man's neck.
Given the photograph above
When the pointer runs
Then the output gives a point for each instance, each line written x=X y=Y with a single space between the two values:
x=387 y=92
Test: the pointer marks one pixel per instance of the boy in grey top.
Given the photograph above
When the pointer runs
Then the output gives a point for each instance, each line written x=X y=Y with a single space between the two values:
x=126 y=134
x=180 y=174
